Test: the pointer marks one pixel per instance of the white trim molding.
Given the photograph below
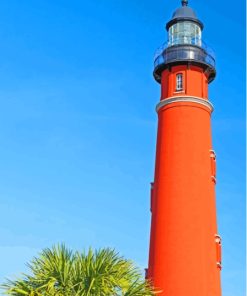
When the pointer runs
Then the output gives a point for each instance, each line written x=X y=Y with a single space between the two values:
x=188 y=99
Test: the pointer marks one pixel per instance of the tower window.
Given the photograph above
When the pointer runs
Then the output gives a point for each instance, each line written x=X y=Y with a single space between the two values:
x=179 y=82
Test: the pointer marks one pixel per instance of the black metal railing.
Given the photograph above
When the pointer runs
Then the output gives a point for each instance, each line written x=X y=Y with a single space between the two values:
x=184 y=52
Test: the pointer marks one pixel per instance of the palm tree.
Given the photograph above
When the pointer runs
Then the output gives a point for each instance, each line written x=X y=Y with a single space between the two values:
x=60 y=272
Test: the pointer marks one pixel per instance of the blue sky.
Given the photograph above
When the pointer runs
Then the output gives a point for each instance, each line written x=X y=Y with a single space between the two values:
x=78 y=126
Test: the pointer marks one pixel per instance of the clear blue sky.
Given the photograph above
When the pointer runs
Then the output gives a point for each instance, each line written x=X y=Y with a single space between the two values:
x=78 y=126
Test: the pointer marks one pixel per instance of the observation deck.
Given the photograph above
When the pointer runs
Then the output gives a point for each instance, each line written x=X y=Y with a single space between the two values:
x=183 y=52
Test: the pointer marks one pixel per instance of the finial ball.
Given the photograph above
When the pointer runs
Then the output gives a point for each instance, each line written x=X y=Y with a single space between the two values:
x=184 y=2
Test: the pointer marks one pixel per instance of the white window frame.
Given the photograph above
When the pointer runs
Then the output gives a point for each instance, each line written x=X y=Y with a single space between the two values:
x=179 y=82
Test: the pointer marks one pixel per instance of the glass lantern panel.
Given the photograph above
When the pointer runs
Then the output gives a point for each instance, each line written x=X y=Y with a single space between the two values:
x=184 y=33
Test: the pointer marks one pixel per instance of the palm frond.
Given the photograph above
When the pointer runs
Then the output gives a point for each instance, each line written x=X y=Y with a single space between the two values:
x=61 y=272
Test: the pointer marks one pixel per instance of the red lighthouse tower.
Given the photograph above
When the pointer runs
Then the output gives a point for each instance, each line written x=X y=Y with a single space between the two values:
x=185 y=248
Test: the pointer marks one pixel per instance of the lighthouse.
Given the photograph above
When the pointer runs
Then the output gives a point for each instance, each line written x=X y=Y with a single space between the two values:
x=185 y=247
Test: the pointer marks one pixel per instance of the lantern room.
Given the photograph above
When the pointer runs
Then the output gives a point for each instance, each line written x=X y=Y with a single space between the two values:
x=184 y=44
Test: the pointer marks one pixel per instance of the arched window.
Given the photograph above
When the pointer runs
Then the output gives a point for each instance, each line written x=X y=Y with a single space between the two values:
x=179 y=81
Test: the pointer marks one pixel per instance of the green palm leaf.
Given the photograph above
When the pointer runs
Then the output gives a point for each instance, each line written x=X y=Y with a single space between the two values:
x=60 y=272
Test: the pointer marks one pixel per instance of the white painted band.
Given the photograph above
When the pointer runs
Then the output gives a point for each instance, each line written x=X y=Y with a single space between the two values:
x=185 y=99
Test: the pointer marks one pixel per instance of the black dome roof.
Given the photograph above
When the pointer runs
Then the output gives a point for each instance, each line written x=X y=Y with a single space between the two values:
x=184 y=13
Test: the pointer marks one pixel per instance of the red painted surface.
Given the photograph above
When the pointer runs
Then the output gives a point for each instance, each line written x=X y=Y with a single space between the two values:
x=195 y=82
x=183 y=253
